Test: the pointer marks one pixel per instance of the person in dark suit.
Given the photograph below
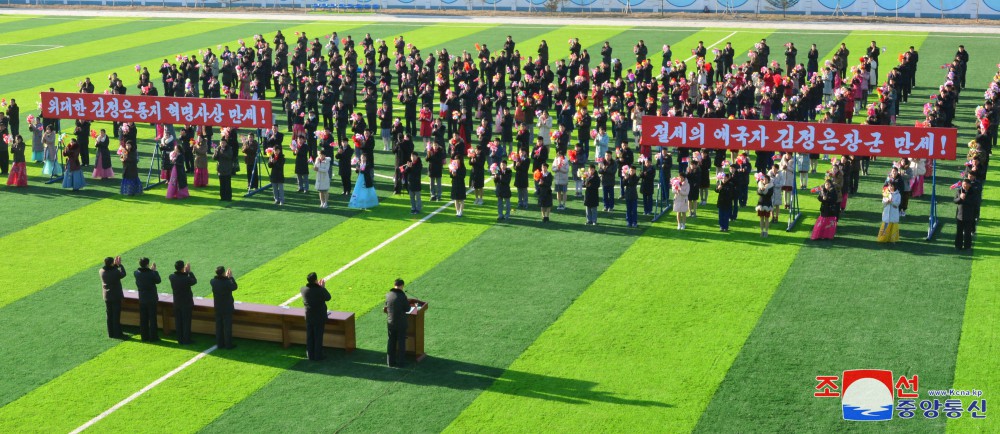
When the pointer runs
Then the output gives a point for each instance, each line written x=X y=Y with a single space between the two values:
x=224 y=156
x=591 y=195
x=396 y=307
x=315 y=296
x=344 y=156
x=502 y=181
x=146 y=279
x=181 y=282
x=223 y=285
x=544 y=192
x=967 y=200
x=411 y=172
x=111 y=289
x=14 y=116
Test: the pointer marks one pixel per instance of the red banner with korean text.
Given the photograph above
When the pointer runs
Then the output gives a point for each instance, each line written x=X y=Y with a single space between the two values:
x=801 y=137
x=239 y=113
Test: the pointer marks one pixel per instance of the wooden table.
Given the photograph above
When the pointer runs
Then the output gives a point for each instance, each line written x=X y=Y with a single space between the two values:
x=286 y=325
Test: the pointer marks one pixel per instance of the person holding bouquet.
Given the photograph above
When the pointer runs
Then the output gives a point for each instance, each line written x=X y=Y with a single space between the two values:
x=364 y=195
x=829 y=210
x=765 y=202
x=521 y=170
x=560 y=170
x=18 y=172
x=889 y=232
x=37 y=130
x=74 y=172
x=543 y=188
x=681 y=190
x=301 y=151
x=501 y=179
x=276 y=161
x=322 y=168
x=607 y=170
x=692 y=177
x=478 y=177
x=631 y=180
x=727 y=194
x=177 y=180
x=131 y=185
x=413 y=170
x=102 y=165
x=345 y=162
x=646 y=179
x=200 y=152
x=52 y=167
x=458 y=191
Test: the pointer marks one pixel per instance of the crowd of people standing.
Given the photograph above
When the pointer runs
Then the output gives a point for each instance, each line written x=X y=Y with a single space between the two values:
x=514 y=119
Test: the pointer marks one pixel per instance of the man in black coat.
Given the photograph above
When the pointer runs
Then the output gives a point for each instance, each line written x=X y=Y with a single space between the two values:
x=402 y=150
x=223 y=285
x=224 y=156
x=146 y=279
x=111 y=289
x=501 y=179
x=181 y=282
x=967 y=200
x=591 y=196
x=396 y=307
x=963 y=61
x=14 y=117
x=412 y=171
x=315 y=296
x=344 y=156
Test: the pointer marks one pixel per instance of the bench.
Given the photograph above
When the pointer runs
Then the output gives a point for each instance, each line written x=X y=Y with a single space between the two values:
x=262 y=322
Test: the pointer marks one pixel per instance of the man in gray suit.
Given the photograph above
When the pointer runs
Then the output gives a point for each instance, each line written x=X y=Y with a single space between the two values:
x=111 y=289
x=146 y=279
x=223 y=285
x=225 y=156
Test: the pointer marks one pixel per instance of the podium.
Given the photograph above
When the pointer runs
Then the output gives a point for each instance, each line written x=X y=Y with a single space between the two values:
x=286 y=325
x=415 y=331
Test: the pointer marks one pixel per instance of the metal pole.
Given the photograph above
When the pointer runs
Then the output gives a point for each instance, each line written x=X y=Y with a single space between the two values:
x=933 y=226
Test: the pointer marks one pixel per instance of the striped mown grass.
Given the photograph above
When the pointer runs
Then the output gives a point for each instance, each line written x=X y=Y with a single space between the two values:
x=676 y=322
x=80 y=30
x=511 y=302
x=500 y=305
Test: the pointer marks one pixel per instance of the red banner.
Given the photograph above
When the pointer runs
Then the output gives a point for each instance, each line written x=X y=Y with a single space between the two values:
x=239 y=113
x=802 y=137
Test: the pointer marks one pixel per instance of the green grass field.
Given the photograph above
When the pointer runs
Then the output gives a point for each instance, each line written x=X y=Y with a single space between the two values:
x=558 y=327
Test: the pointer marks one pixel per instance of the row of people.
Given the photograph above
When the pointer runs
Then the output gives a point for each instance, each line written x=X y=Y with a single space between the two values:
x=182 y=282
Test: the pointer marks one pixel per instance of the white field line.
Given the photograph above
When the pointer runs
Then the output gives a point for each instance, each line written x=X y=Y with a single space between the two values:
x=50 y=47
x=711 y=46
x=380 y=246
x=202 y=354
x=143 y=391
